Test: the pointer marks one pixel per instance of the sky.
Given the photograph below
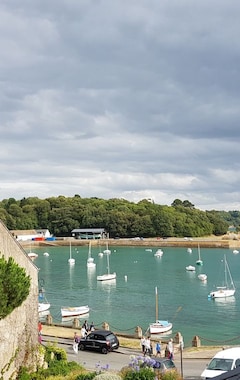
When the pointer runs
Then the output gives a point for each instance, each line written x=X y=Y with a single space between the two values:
x=133 y=99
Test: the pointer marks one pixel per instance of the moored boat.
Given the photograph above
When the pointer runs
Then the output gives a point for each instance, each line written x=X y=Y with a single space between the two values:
x=74 y=311
x=160 y=326
x=228 y=287
x=202 y=277
x=190 y=268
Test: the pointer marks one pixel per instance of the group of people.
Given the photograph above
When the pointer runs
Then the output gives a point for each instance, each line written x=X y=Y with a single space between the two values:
x=86 y=328
x=147 y=348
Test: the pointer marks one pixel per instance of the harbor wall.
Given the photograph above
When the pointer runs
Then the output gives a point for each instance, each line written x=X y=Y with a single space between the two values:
x=18 y=331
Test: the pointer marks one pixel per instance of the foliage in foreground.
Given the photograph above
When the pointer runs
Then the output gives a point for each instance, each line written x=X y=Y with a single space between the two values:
x=14 y=286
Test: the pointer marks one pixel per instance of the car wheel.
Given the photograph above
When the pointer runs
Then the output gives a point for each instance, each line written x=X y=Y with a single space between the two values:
x=104 y=350
x=81 y=347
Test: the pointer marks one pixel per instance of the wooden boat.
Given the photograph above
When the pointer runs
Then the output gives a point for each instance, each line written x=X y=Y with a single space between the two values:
x=74 y=311
x=160 y=326
x=228 y=287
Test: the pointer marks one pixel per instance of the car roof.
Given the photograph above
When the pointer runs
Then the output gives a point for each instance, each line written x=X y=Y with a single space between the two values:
x=229 y=353
x=102 y=332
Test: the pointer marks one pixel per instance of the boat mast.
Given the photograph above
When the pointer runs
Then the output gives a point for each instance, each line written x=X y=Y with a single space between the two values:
x=156 y=294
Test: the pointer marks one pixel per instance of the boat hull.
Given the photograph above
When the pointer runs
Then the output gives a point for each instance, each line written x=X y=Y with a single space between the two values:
x=74 y=311
x=222 y=293
x=43 y=306
x=107 y=277
x=160 y=327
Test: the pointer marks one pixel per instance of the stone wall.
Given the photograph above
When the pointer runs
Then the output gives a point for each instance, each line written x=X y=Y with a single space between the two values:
x=18 y=331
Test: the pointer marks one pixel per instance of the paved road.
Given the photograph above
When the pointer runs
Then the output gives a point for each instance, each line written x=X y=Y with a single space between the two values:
x=191 y=368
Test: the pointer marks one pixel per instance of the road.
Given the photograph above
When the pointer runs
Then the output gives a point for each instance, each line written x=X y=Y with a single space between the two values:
x=190 y=368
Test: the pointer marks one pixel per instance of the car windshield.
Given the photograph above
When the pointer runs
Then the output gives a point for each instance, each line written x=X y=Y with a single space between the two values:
x=220 y=364
x=169 y=364
x=110 y=337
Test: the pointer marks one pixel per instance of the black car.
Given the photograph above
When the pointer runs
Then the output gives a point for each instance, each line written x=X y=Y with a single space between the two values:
x=99 y=340
x=164 y=365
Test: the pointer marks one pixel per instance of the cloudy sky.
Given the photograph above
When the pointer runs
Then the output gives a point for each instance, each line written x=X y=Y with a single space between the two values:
x=125 y=99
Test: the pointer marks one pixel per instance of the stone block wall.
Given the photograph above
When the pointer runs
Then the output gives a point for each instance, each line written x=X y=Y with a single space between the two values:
x=18 y=331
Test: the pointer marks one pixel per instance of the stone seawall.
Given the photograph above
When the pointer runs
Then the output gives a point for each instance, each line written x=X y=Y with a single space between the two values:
x=18 y=331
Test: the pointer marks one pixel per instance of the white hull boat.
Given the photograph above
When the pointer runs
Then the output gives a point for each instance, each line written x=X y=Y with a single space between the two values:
x=199 y=261
x=158 y=253
x=160 y=326
x=202 y=277
x=71 y=261
x=107 y=276
x=90 y=260
x=190 y=268
x=235 y=251
x=74 y=311
x=227 y=290
x=43 y=306
x=189 y=250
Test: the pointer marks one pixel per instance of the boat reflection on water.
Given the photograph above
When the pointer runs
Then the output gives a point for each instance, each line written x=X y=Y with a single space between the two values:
x=107 y=285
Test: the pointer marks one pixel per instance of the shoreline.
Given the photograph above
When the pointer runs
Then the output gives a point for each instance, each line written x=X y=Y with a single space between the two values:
x=207 y=242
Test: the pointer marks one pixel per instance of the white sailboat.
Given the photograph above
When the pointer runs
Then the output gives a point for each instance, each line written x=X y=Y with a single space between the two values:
x=199 y=261
x=90 y=260
x=228 y=287
x=107 y=276
x=160 y=326
x=71 y=261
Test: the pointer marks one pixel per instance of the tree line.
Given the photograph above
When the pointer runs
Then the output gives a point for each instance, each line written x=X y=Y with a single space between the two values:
x=119 y=217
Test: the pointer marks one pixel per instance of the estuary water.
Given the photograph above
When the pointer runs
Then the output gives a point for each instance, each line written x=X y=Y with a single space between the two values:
x=130 y=300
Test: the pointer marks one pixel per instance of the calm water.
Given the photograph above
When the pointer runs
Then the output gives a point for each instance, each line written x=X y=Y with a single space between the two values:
x=130 y=301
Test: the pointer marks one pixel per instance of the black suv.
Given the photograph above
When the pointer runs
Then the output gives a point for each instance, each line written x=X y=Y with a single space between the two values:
x=99 y=340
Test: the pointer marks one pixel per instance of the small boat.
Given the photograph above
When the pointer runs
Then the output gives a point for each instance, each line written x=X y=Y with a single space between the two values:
x=190 y=268
x=226 y=290
x=235 y=251
x=148 y=250
x=107 y=276
x=158 y=253
x=199 y=261
x=90 y=260
x=100 y=254
x=46 y=254
x=43 y=306
x=71 y=261
x=74 y=311
x=202 y=277
x=189 y=250
x=160 y=326
x=32 y=255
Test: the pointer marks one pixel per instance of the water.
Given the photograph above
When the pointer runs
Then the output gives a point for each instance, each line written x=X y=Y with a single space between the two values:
x=130 y=300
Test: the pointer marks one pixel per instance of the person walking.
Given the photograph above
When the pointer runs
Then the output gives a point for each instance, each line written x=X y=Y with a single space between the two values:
x=75 y=343
x=148 y=348
x=158 y=349
x=142 y=343
x=170 y=349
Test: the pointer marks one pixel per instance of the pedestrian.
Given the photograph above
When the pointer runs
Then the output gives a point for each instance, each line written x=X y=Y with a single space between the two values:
x=148 y=346
x=92 y=327
x=158 y=349
x=39 y=332
x=75 y=343
x=170 y=349
x=142 y=344
x=86 y=326
x=83 y=332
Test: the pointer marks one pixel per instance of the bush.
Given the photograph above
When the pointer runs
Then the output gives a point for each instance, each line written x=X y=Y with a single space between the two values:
x=145 y=373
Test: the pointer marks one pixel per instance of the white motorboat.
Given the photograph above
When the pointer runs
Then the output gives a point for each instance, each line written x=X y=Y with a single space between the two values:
x=74 y=311
x=90 y=260
x=202 y=277
x=189 y=250
x=228 y=287
x=190 y=268
x=46 y=254
x=43 y=306
x=71 y=261
x=107 y=276
x=158 y=253
x=160 y=326
x=235 y=251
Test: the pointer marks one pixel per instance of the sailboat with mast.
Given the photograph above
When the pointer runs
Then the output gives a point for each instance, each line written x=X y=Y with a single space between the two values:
x=107 y=276
x=199 y=261
x=71 y=261
x=90 y=260
x=160 y=326
x=228 y=287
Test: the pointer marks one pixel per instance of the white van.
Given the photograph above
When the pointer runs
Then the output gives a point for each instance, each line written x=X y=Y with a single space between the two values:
x=223 y=361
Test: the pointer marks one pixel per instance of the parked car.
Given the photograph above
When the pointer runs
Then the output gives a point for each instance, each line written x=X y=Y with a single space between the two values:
x=164 y=365
x=223 y=361
x=99 y=340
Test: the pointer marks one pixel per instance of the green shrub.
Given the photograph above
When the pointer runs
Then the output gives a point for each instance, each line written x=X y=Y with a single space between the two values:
x=14 y=286
x=145 y=373
x=86 y=376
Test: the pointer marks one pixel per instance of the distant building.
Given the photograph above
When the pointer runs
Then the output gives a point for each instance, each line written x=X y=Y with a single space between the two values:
x=89 y=233
x=24 y=235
